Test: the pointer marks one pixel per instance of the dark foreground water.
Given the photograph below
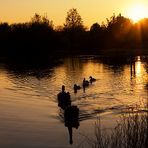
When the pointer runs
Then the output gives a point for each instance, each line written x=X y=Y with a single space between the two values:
x=29 y=112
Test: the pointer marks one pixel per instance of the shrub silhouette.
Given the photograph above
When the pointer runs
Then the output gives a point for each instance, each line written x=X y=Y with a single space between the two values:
x=40 y=38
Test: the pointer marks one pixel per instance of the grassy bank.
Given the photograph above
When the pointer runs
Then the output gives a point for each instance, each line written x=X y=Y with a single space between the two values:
x=131 y=132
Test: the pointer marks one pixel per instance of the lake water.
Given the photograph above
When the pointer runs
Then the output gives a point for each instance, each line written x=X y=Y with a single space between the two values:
x=29 y=112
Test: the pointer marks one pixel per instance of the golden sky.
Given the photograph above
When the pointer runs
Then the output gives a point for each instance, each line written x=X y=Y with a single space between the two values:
x=91 y=11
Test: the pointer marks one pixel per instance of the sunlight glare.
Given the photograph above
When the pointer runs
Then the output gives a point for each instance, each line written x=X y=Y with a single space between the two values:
x=138 y=66
x=138 y=12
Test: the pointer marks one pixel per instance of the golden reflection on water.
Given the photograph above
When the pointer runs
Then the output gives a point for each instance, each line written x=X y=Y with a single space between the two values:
x=111 y=93
x=5 y=82
x=74 y=70
x=139 y=81
x=139 y=67
x=141 y=75
x=91 y=68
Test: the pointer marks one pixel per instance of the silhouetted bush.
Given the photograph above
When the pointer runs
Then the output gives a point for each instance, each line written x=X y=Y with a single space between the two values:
x=39 y=37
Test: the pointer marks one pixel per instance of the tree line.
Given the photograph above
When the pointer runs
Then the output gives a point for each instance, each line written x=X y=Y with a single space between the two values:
x=40 y=37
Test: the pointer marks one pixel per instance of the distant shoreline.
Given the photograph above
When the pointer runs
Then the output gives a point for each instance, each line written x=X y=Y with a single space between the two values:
x=115 y=52
x=105 y=52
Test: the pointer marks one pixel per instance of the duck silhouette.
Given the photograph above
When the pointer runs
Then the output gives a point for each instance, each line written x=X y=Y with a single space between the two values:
x=85 y=82
x=91 y=79
x=76 y=88
x=71 y=113
x=64 y=99
x=71 y=118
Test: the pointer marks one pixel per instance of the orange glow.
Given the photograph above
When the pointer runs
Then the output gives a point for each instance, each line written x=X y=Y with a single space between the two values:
x=14 y=11
x=138 y=12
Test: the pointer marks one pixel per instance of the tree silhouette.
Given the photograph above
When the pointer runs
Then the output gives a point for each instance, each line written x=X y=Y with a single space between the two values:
x=95 y=27
x=74 y=30
x=39 y=36
x=118 y=29
x=38 y=20
x=96 y=36
x=73 y=20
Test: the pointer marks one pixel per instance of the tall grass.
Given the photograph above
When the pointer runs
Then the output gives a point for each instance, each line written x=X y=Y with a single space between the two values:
x=131 y=132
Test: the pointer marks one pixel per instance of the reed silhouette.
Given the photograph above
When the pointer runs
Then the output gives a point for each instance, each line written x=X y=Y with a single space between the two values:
x=133 y=67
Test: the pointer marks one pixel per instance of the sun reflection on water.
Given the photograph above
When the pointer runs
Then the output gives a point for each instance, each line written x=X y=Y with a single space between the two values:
x=138 y=66
x=114 y=90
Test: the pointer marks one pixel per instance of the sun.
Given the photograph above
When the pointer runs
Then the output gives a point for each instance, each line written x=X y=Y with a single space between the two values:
x=138 y=12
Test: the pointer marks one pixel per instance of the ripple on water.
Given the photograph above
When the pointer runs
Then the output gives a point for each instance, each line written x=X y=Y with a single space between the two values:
x=32 y=95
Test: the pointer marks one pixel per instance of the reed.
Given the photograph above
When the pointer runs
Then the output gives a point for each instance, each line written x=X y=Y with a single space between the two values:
x=131 y=131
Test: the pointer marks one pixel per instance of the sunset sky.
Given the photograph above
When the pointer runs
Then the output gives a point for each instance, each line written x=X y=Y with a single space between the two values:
x=91 y=11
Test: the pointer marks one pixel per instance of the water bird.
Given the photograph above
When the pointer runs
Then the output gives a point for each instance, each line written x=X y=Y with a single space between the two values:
x=76 y=87
x=71 y=117
x=71 y=113
x=91 y=79
x=85 y=83
x=64 y=99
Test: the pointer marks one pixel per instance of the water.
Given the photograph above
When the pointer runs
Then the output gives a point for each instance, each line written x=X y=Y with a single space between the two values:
x=29 y=112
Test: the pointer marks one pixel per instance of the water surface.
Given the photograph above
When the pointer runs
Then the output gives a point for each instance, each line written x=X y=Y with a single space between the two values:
x=29 y=112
